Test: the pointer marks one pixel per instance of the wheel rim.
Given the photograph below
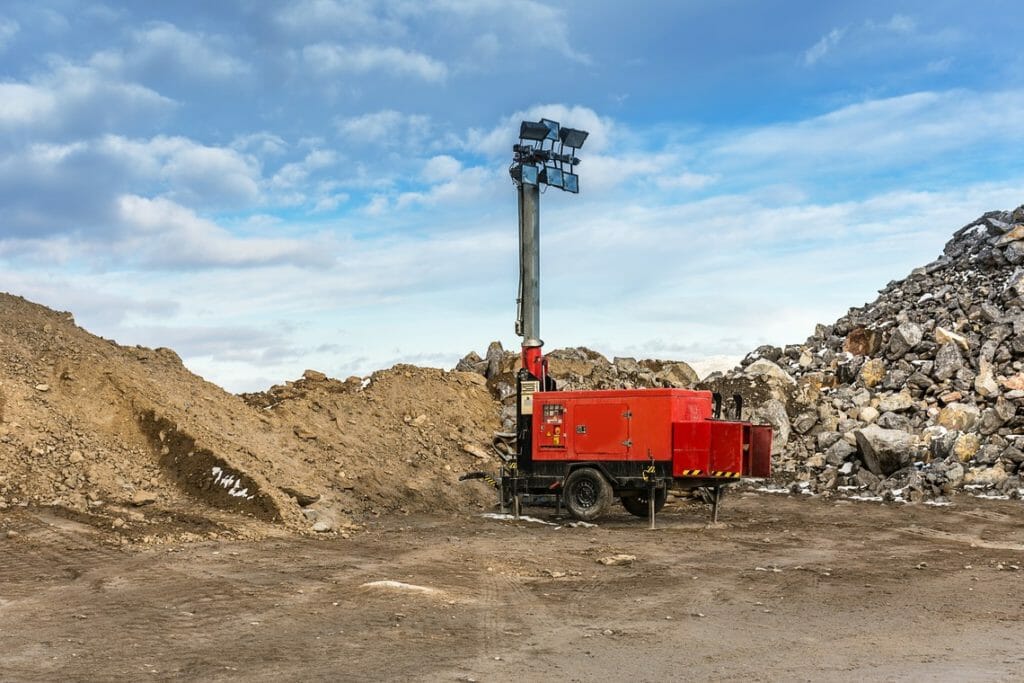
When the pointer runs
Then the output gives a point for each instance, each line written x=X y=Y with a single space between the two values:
x=584 y=494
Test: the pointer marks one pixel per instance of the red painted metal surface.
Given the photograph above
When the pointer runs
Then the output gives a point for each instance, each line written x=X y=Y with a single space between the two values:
x=643 y=424
x=760 y=451
x=726 y=453
x=691 y=448
x=534 y=361
x=628 y=424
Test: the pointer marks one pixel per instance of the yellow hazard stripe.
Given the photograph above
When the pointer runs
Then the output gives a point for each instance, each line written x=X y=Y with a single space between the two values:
x=690 y=473
x=727 y=475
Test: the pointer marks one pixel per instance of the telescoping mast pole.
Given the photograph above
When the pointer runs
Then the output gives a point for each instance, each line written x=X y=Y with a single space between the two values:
x=540 y=158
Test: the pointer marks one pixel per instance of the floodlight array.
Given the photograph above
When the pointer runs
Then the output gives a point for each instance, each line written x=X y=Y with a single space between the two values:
x=541 y=158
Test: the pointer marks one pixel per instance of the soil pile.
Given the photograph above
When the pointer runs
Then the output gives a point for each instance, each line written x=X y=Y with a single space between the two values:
x=130 y=438
x=395 y=441
x=915 y=394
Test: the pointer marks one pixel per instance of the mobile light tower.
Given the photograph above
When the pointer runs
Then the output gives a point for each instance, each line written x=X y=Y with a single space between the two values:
x=589 y=447
x=544 y=155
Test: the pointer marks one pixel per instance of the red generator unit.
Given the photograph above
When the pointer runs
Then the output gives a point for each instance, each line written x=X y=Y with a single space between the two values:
x=590 y=447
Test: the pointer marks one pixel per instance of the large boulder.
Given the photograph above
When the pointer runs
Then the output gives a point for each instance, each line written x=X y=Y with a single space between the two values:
x=678 y=375
x=773 y=412
x=885 y=451
x=495 y=354
x=769 y=371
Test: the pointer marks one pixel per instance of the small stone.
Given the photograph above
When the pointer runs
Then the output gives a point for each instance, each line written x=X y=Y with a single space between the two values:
x=986 y=475
x=948 y=362
x=1014 y=383
x=872 y=372
x=141 y=498
x=76 y=457
x=868 y=414
x=951 y=397
x=894 y=403
x=617 y=560
x=903 y=339
x=322 y=526
x=958 y=417
x=304 y=433
x=966 y=446
x=944 y=336
x=476 y=451
x=42 y=387
x=985 y=383
x=11 y=533
x=862 y=342
x=314 y=376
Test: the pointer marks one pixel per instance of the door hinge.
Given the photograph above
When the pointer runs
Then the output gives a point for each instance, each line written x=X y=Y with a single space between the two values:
x=627 y=443
x=628 y=414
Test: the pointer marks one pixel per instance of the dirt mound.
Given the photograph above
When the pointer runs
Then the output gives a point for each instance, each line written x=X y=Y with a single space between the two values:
x=130 y=438
x=397 y=440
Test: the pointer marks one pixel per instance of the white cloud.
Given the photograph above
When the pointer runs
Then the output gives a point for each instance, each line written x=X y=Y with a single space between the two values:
x=490 y=19
x=685 y=181
x=939 y=66
x=386 y=127
x=22 y=104
x=333 y=17
x=442 y=167
x=197 y=174
x=295 y=174
x=330 y=202
x=164 y=45
x=263 y=143
x=75 y=99
x=897 y=130
x=827 y=43
x=8 y=29
x=331 y=59
x=163 y=234
x=900 y=23
x=463 y=186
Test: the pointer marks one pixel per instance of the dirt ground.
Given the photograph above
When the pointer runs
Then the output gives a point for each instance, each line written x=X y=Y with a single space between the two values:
x=781 y=589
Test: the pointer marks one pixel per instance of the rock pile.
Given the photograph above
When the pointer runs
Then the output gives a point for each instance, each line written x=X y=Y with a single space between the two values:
x=915 y=394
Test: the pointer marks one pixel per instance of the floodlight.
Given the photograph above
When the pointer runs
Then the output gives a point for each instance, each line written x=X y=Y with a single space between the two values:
x=530 y=130
x=552 y=127
x=565 y=159
x=572 y=137
x=571 y=182
x=551 y=176
x=529 y=174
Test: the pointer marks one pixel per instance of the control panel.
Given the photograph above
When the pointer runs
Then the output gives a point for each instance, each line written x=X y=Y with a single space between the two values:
x=552 y=423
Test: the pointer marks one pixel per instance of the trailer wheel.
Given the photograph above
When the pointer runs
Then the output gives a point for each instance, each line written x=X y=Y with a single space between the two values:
x=586 y=494
x=637 y=504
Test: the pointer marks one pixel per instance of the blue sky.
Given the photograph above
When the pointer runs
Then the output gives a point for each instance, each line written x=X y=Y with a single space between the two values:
x=269 y=187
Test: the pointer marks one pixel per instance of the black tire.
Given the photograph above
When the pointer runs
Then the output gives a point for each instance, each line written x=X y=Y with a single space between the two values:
x=586 y=494
x=637 y=504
